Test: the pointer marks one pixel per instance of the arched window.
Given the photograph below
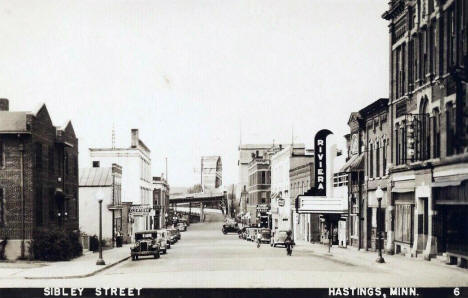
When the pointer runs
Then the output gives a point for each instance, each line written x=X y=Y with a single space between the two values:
x=436 y=133
x=425 y=132
x=450 y=124
x=377 y=159
x=371 y=161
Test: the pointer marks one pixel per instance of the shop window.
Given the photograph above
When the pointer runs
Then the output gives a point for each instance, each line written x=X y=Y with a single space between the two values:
x=404 y=223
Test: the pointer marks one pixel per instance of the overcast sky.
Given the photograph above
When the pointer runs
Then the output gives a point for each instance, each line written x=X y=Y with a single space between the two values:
x=190 y=74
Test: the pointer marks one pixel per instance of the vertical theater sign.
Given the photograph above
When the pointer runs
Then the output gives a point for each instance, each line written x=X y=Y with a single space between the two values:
x=320 y=198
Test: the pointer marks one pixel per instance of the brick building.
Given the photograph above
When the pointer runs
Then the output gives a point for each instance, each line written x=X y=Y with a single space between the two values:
x=160 y=201
x=38 y=176
x=301 y=175
x=258 y=201
x=368 y=157
x=428 y=128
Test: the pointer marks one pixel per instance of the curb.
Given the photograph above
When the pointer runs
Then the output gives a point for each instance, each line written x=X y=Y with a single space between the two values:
x=81 y=275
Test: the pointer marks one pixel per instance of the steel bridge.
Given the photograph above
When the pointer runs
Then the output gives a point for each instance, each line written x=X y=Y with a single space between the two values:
x=210 y=199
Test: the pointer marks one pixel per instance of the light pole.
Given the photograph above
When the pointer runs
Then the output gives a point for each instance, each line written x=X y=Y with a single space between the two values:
x=100 y=197
x=379 y=195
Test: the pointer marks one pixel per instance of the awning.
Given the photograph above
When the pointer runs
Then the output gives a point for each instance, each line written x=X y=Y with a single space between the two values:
x=354 y=163
x=402 y=189
x=445 y=181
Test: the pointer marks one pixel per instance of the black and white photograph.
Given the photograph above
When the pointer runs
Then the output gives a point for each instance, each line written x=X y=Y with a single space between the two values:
x=234 y=148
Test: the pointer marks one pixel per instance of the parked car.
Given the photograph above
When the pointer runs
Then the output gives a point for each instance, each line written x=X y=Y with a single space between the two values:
x=182 y=227
x=265 y=235
x=230 y=228
x=145 y=245
x=163 y=240
x=278 y=238
x=173 y=235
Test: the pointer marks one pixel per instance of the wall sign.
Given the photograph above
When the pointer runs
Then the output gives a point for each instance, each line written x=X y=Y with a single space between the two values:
x=320 y=143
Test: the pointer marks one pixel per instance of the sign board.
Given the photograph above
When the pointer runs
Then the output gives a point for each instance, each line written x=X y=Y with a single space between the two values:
x=320 y=143
x=140 y=210
x=322 y=205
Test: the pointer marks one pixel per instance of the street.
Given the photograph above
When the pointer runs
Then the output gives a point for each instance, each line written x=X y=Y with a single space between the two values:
x=204 y=257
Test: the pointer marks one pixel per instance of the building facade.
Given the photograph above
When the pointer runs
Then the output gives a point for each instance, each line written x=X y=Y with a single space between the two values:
x=137 y=185
x=38 y=176
x=258 y=200
x=108 y=183
x=211 y=172
x=301 y=176
x=160 y=201
x=367 y=164
x=428 y=128
x=282 y=204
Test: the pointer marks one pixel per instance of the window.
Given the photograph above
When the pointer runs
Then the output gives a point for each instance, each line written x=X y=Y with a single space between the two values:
x=38 y=155
x=51 y=157
x=371 y=161
x=436 y=133
x=51 y=204
x=96 y=164
x=2 y=154
x=66 y=160
x=263 y=177
x=384 y=157
x=377 y=160
x=450 y=124
x=2 y=207
x=404 y=223
x=75 y=166
x=38 y=199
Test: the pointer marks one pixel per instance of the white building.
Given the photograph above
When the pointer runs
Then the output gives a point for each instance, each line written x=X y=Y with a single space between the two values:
x=137 y=185
x=107 y=183
x=282 y=206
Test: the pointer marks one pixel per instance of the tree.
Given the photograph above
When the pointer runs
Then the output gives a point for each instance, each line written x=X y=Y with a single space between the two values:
x=194 y=189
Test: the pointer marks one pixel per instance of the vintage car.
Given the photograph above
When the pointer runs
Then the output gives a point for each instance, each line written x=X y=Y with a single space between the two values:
x=163 y=240
x=230 y=227
x=173 y=235
x=181 y=226
x=146 y=244
x=278 y=238
x=251 y=234
x=265 y=235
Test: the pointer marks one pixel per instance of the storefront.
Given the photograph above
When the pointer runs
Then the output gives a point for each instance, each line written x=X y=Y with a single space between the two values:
x=451 y=222
x=374 y=217
x=404 y=219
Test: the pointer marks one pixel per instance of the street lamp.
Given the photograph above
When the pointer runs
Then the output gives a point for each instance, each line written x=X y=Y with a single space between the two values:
x=379 y=195
x=100 y=197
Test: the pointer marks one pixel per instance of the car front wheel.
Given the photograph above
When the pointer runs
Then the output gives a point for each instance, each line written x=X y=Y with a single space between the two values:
x=156 y=255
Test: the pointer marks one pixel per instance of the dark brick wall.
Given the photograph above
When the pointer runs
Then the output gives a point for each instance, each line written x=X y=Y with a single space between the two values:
x=41 y=178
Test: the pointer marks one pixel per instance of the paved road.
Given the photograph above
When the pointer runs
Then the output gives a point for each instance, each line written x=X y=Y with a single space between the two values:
x=207 y=258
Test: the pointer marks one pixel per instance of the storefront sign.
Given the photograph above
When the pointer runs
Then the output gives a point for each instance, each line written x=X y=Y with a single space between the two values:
x=320 y=143
x=139 y=210
x=281 y=202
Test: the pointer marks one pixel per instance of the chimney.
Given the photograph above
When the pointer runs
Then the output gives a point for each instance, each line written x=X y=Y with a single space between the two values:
x=4 y=105
x=135 y=138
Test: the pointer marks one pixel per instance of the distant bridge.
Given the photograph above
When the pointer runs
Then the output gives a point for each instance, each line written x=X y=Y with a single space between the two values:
x=215 y=199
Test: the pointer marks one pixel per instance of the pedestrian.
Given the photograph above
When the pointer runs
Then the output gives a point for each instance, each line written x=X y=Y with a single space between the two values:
x=259 y=238
x=288 y=242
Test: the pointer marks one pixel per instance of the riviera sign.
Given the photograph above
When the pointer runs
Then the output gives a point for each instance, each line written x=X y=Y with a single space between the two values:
x=320 y=143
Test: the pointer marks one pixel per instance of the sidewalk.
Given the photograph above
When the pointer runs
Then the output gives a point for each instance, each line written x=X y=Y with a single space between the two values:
x=80 y=267
x=393 y=263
